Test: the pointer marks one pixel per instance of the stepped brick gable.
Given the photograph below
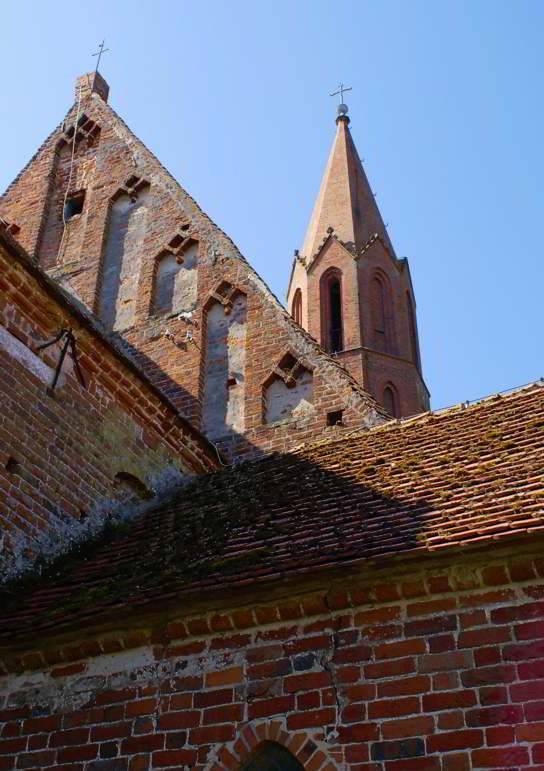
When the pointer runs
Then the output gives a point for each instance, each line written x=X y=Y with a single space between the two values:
x=106 y=220
x=350 y=291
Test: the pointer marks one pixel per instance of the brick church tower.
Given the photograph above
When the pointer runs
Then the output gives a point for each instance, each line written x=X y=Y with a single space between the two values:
x=351 y=292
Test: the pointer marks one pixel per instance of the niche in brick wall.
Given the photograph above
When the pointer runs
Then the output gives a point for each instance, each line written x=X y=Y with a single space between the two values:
x=69 y=176
x=224 y=362
x=123 y=254
x=130 y=488
x=175 y=283
x=288 y=392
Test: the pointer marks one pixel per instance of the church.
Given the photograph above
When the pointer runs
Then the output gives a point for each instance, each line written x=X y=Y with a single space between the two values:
x=234 y=536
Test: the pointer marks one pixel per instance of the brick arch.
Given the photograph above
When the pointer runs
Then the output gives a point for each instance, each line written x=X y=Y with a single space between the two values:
x=309 y=751
x=390 y=399
x=296 y=306
x=384 y=336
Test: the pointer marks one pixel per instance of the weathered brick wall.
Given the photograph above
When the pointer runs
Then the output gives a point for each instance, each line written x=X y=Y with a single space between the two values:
x=73 y=459
x=134 y=217
x=435 y=669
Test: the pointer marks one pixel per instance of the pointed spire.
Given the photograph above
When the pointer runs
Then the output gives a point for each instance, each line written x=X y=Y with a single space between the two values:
x=345 y=201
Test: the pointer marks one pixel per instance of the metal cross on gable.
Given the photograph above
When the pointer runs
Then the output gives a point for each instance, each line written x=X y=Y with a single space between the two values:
x=341 y=90
x=101 y=50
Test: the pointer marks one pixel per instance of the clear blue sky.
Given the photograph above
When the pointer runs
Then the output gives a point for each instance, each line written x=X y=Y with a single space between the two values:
x=446 y=110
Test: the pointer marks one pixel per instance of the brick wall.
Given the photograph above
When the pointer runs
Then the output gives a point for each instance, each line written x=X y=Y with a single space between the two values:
x=405 y=669
x=109 y=255
x=73 y=459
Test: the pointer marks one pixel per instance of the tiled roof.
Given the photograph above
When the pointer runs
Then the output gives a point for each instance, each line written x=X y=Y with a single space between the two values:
x=467 y=475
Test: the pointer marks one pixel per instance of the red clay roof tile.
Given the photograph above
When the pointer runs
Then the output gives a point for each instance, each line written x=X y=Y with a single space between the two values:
x=464 y=476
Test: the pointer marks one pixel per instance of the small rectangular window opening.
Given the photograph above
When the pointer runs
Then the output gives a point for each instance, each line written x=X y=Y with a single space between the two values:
x=335 y=418
x=74 y=205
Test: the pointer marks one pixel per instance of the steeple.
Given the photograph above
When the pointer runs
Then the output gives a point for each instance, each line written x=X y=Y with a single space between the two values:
x=345 y=201
x=349 y=290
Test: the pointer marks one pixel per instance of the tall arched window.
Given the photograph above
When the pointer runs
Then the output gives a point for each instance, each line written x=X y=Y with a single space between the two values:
x=271 y=756
x=390 y=401
x=414 y=350
x=296 y=308
x=332 y=336
x=382 y=315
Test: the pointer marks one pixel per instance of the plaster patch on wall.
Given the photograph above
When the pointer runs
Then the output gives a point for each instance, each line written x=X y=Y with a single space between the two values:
x=283 y=403
x=224 y=376
x=123 y=260
x=176 y=283
x=21 y=353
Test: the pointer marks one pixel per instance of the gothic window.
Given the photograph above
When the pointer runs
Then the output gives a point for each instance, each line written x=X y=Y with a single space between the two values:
x=123 y=252
x=390 y=400
x=382 y=315
x=175 y=287
x=224 y=362
x=296 y=309
x=287 y=393
x=331 y=310
x=271 y=756
x=414 y=351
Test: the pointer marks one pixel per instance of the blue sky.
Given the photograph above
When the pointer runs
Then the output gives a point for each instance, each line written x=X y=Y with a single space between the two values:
x=446 y=111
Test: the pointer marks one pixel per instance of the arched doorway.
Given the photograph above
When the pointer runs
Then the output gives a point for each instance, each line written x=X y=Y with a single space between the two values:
x=271 y=756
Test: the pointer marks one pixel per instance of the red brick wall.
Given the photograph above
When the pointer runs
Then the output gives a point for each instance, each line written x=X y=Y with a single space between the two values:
x=60 y=453
x=434 y=669
x=104 y=164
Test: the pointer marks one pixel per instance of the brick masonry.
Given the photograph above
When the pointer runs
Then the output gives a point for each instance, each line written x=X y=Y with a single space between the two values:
x=73 y=460
x=109 y=254
x=392 y=669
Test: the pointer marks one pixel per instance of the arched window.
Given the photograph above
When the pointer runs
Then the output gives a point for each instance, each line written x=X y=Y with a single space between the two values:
x=382 y=315
x=414 y=350
x=390 y=401
x=271 y=756
x=332 y=336
x=296 y=308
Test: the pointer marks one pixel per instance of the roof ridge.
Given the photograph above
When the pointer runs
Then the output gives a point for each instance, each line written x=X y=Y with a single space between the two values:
x=508 y=393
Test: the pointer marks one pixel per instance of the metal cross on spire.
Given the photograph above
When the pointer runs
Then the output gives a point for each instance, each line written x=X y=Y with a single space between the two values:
x=101 y=50
x=341 y=90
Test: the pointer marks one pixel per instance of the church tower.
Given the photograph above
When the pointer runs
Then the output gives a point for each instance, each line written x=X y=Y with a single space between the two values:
x=350 y=291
